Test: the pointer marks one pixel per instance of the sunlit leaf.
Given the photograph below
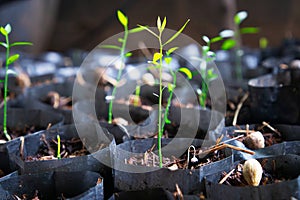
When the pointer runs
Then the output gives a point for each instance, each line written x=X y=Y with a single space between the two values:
x=187 y=72
x=177 y=33
x=263 y=43
x=3 y=44
x=170 y=87
x=147 y=29
x=205 y=48
x=13 y=58
x=158 y=23
x=249 y=30
x=122 y=18
x=226 y=33
x=216 y=39
x=171 y=50
x=20 y=44
x=240 y=17
x=128 y=54
x=8 y=28
x=136 y=30
x=168 y=60
x=10 y=71
x=211 y=54
x=156 y=57
x=120 y=40
x=3 y=31
x=110 y=47
x=206 y=39
x=164 y=23
x=228 y=44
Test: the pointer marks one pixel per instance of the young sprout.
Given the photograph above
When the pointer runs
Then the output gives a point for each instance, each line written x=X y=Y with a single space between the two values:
x=124 y=22
x=157 y=61
x=263 y=43
x=234 y=40
x=137 y=95
x=193 y=159
x=5 y=31
x=58 y=147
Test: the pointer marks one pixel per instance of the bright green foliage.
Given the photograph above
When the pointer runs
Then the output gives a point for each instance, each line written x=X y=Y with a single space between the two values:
x=234 y=40
x=124 y=22
x=10 y=59
x=58 y=147
x=157 y=61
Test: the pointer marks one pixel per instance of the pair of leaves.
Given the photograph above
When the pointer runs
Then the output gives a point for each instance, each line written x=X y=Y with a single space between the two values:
x=6 y=30
x=161 y=26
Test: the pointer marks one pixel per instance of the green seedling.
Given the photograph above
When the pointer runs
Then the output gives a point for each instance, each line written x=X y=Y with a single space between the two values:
x=137 y=95
x=235 y=41
x=10 y=59
x=207 y=74
x=263 y=43
x=58 y=147
x=157 y=61
x=123 y=54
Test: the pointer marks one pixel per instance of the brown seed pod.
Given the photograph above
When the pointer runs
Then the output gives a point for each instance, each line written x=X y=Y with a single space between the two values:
x=254 y=140
x=252 y=172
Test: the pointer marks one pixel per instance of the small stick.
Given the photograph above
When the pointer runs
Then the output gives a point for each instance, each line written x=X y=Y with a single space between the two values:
x=49 y=126
x=270 y=127
x=179 y=192
x=240 y=149
x=226 y=177
x=244 y=131
x=22 y=147
x=239 y=106
x=219 y=139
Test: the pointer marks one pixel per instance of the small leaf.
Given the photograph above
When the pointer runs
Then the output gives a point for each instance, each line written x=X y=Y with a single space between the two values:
x=170 y=87
x=199 y=91
x=171 y=50
x=211 y=75
x=205 y=48
x=12 y=59
x=156 y=57
x=176 y=34
x=206 y=39
x=2 y=81
x=122 y=18
x=240 y=17
x=136 y=30
x=110 y=47
x=20 y=44
x=3 y=44
x=3 y=31
x=226 y=33
x=187 y=72
x=228 y=44
x=128 y=54
x=263 y=43
x=216 y=39
x=120 y=40
x=10 y=71
x=8 y=28
x=168 y=60
x=158 y=23
x=249 y=30
x=149 y=30
x=164 y=23
x=211 y=54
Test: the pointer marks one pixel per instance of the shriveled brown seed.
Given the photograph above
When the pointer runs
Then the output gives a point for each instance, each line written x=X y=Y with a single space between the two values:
x=254 y=140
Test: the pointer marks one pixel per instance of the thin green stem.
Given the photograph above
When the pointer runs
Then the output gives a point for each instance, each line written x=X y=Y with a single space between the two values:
x=58 y=147
x=169 y=99
x=5 y=91
x=137 y=95
x=238 y=56
x=160 y=128
x=119 y=74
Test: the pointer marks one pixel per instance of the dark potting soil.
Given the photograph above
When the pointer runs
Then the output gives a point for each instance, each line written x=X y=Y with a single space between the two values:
x=150 y=159
x=17 y=132
x=236 y=178
x=69 y=149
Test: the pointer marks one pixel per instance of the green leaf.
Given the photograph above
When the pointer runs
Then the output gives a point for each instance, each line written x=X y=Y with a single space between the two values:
x=156 y=57
x=164 y=23
x=136 y=30
x=205 y=48
x=216 y=39
x=177 y=34
x=2 y=81
x=13 y=58
x=149 y=30
x=158 y=23
x=249 y=30
x=3 y=44
x=8 y=28
x=263 y=43
x=226 y=33
x=3 y=31
x=128 y=54
x=122 y=18
x=168 y=60
x=187 y=72
x=171 y=50
x=240 y=17
x=20 y=44
x=170 y=87
x=110 y=47
x=120 y=40
x=228 y=44
x=211 y=75
x=205 y=38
